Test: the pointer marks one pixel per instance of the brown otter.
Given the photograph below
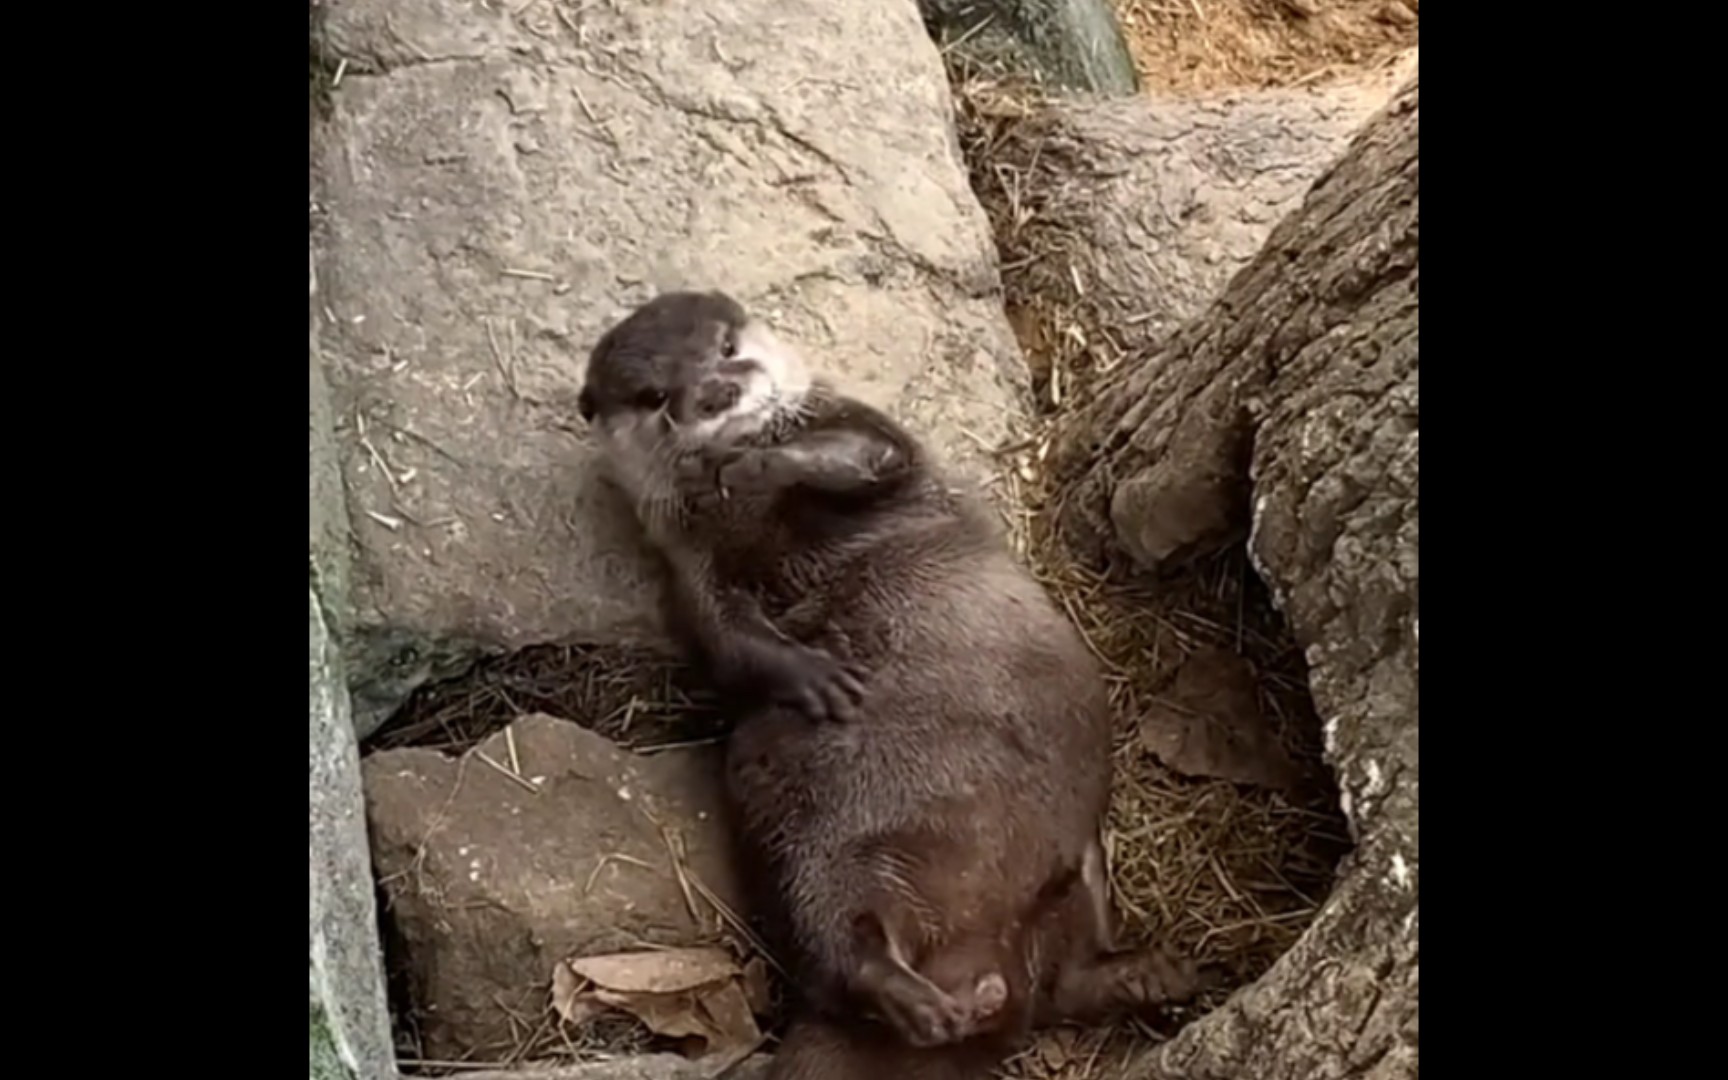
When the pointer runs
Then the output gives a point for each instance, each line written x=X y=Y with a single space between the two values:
x=935 y=860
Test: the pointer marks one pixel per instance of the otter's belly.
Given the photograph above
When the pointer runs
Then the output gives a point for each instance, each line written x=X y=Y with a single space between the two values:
x=903 y=761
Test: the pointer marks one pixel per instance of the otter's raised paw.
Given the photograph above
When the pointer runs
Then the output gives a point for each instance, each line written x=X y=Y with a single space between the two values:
x=752 y=468
x=818 y=685
x=698 y=479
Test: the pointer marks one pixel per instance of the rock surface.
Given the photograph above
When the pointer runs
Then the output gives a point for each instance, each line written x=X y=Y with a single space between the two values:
x=1145 y=207
x=544 y=842
x=1296 y=394
x=1066 y=44
x=497 y=188
x=350 y=1024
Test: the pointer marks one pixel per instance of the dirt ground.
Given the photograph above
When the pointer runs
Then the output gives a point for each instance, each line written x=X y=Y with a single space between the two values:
x=1195 y=46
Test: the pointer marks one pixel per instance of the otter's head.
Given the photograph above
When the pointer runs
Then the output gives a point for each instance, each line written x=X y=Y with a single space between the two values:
x=687 y=370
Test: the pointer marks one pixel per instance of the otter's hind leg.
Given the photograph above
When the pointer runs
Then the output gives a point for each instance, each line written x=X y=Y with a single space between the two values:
x=865 y=927
x=923 y=1013
x=1140 y=980
x=1094 y=980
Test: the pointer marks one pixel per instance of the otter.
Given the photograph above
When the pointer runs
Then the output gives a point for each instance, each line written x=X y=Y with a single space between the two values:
x=920 y=764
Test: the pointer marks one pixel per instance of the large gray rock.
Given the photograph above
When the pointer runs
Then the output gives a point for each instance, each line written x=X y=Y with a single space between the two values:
x=1066 y=44
x=497 y=188
x=350 y=1023
x=544 y=842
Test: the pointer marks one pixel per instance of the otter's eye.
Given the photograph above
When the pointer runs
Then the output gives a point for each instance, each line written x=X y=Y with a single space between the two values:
x=650 y=400
x=728 y=347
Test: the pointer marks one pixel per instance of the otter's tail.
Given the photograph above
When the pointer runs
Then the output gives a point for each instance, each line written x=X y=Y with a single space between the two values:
x=816 y=1050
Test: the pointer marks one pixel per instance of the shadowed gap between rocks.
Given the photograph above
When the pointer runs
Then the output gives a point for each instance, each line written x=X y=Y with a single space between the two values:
x=641 y=699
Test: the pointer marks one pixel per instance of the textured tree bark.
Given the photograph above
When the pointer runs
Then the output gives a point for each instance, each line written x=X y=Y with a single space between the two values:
x=1289 y=411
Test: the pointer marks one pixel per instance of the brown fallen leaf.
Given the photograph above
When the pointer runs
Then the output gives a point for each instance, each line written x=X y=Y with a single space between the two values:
x=695 y=995
x=1211 y=725
x=658 y=971
x=568 y=999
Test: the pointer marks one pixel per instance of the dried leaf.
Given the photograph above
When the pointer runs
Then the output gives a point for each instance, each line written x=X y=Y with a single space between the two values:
x=1053 y=1054
x=567 y=997
x=695 y=995
x=717 y=1018
x=1211 y=725
x=661 y=971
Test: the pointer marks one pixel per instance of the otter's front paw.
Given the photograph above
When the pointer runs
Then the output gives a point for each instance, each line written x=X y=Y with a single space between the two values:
x=753 y=468
x=698 y=480
x=815 y=683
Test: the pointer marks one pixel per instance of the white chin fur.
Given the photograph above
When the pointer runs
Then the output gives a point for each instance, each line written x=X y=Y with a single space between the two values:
x=778 y=386
x=625 y=457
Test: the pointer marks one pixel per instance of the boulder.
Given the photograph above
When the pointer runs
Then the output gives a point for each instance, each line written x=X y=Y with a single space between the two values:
x=497 y=185
x=546 y=841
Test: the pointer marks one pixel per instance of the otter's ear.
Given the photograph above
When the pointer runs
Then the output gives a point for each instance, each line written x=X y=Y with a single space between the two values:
x=585 y=405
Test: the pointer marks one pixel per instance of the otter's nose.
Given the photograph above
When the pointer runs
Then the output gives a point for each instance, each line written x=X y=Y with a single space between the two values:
x=716 y=396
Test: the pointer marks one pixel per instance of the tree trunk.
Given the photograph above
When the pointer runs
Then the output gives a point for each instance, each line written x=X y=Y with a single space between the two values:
x=1288 y=412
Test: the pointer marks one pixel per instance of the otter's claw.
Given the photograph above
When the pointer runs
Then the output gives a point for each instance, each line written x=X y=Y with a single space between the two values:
x=820 y=686
x=698 y=480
